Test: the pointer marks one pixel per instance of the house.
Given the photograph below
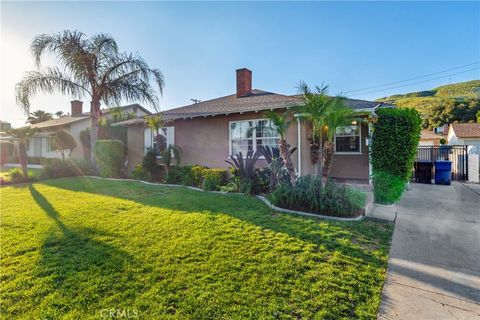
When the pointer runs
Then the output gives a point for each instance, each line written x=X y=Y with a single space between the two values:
x=210 y=132
x=465 y=134
x=76 y=122
x=429 y=138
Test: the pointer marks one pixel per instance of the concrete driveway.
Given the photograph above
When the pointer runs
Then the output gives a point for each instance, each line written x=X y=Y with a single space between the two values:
x=434 y=265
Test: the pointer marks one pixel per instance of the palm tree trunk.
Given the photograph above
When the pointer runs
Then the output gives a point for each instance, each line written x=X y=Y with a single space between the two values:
x=328 y=151
x=94 y=116
x=22 y=157
x=285 y=151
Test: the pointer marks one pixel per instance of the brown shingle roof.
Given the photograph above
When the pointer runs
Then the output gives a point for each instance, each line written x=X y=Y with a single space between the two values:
x=466 y=130
x=65 y=120
x=428 y=134
x=257 y=101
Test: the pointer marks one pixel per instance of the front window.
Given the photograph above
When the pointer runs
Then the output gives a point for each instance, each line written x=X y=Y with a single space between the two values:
x=250 y=135
x=347 y=139
x=49 y=144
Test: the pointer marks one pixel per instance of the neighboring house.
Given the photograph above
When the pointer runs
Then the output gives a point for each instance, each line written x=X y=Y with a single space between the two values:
x=429 y=138
x=465 y=134
x=210 y=132
x=77 y=121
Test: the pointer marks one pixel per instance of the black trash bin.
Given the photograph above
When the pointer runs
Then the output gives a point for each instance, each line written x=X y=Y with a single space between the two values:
x=423 y=171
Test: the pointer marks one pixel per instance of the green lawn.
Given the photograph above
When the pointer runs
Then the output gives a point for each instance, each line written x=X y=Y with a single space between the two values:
x=75 y=246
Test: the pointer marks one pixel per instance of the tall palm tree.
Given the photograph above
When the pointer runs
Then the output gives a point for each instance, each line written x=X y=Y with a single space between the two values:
x=91 y=67
x=22 y=135
x=280 y=123
x=313 y=110
x=39 y=116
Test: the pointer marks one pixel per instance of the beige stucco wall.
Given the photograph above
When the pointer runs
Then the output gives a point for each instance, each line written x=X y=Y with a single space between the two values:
x=135 y=146
x=205 y=141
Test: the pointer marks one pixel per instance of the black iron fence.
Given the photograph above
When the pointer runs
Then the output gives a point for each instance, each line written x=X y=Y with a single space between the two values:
x=458 y=155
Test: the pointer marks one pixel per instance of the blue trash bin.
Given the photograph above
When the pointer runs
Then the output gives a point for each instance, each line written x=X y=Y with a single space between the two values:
x=443 y=172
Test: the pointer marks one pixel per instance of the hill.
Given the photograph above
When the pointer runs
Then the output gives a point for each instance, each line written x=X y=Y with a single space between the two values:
x=445 y=104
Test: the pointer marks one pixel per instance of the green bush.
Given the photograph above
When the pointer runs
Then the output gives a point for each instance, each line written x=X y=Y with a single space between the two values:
x=140 y=173
x=110 y=157
x=198 y=176
x=394 y=146
x=388 y=188
x=56 y=168
x=16 y=175
x=309 y=195
x=152 y=171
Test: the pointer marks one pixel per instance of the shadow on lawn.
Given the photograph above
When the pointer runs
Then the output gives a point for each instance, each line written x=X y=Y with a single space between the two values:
x=366 y=235
x=81 y=268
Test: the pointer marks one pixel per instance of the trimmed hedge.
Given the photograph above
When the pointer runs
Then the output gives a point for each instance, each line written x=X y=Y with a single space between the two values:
x=393 y=150
x=110 y=157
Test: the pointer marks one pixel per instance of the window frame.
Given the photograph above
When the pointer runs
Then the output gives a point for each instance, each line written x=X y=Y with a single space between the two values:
x=254 y=136
x=359 y=152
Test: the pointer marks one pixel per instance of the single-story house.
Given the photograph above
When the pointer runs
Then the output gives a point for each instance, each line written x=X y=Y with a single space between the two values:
x=74 y=123
x=210 y=132
x=465 y=134
x=429 y=138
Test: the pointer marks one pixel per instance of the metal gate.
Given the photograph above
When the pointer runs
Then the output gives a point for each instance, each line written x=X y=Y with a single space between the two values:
x=457 y=154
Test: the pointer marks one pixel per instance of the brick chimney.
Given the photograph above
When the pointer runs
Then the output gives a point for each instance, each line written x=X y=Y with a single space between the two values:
x=77 y=108
x=244 y=82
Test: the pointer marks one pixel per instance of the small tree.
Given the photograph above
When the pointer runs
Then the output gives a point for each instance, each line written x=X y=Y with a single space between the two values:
x=22 y=135
x=280 y=124
x=167 y=153
x=155 y=123
x=63 y=142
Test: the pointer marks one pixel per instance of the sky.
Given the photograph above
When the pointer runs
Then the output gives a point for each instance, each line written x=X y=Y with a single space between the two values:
x=199 y=45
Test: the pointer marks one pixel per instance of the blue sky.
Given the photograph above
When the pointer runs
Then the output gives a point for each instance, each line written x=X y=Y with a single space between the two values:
x=198 y=45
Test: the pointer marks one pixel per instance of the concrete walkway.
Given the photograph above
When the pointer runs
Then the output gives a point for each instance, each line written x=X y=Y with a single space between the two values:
x=434 y=265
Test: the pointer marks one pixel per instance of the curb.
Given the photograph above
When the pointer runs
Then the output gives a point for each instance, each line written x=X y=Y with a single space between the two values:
x=261 y=198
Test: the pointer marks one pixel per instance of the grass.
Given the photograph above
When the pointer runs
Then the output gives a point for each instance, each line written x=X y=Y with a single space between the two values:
x=73 y=247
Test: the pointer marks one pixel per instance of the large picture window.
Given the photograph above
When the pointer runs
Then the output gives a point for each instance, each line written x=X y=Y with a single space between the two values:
x=249 y=135
x=347 y=139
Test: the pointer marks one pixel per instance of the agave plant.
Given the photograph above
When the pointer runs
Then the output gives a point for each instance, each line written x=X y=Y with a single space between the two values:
x=276 y=165
x=245 y=169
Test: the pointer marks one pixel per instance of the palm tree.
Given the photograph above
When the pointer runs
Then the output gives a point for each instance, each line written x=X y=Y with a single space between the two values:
x=336 y=115
x=22 y=135
x=59 y=114
x=91 y=67
x=313 y=110
x=155 y=123
x=39 y=116
x=280 y=124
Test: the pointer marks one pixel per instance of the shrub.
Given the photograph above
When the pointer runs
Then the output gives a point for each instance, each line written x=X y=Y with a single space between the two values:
x=394 y=147
x=110 y=157
x=245 y=171
x=140 y=173
x=198 y=176
x=308 y=195
x=152 y=171
x=16 y=175
x=388 y=188
x=56 y=168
